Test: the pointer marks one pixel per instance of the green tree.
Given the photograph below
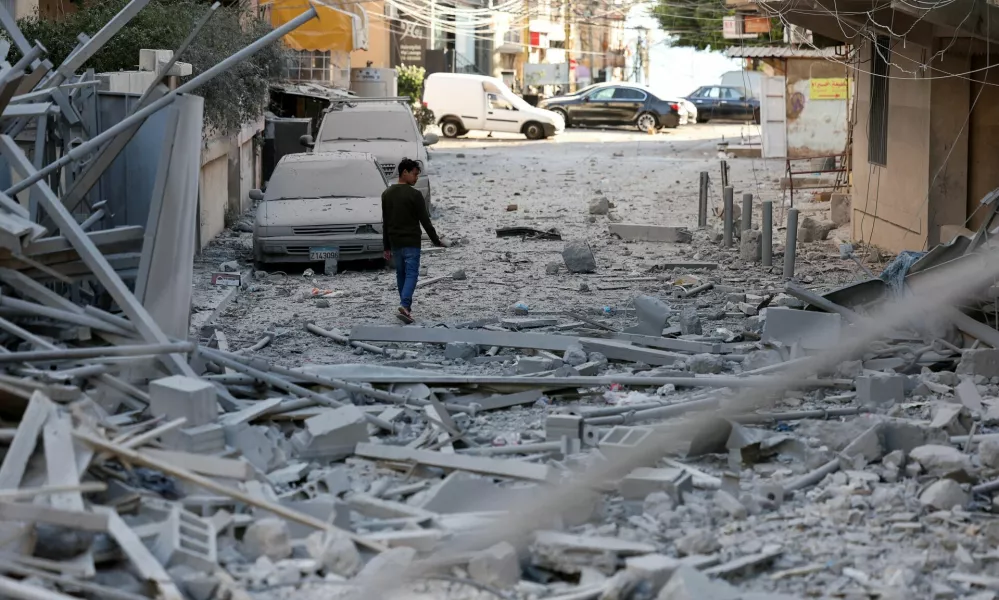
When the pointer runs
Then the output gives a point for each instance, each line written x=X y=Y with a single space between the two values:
x=698 y=24
x=233 y=98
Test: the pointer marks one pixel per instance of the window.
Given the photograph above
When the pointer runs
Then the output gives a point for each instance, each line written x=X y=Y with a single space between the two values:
x=714 y=92
x=556 y=44
x=877 y=125
x=497 y=103
x=602 y=95
x=701 y=92
x=628 y=94
x=307 y=65
x=730 y=94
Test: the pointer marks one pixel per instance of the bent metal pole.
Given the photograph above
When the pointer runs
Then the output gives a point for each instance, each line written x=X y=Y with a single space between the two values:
x=192 y=84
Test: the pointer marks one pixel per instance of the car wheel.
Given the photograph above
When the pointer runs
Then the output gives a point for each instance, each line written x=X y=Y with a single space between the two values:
x=756 y=116
x=562 y=113
x=534 y=131
x=647 y=121
x=451 y=128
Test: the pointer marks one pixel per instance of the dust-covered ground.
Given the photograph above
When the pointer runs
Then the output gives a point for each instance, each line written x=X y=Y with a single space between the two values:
x=651 y=180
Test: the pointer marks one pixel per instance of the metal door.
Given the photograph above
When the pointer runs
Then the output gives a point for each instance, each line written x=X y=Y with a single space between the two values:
x=628 y=104
x=773 y=117
x=598 y=107
x=501 y=115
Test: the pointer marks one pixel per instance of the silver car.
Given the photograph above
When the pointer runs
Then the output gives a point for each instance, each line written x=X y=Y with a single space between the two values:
x=386 y=129
x=320 y=206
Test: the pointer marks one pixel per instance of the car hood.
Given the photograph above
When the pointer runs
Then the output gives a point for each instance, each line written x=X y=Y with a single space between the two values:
x=559 y=100
x=384 y=150
x=319 y=211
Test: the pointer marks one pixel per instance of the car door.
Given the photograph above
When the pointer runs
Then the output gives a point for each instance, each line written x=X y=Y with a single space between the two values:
x=628 y=104
x=742 y=107
x=599 y=106
x=702 y=102
x=730 y=104
x=500 y=114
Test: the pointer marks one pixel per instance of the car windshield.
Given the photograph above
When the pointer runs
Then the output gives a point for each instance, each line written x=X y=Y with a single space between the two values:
x=295 y=180
x=580 y=91
x=368 y=126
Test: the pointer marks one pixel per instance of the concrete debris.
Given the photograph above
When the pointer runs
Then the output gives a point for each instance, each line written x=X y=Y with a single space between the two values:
x=460 y=351
x=578 y=257
x=813 y=230
x=267 y=537
x=751 y=246
x=940 y=461
x=497 y=566
x=335 y=551
x=652 y=316
x=690 y=323
x=650 y=233
x=599 y=206
x=944 y=494
x=982 y=362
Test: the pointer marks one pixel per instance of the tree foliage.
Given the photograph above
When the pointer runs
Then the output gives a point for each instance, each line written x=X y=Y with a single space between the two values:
x=411 y=84
x=233 y=98
x=698 y=24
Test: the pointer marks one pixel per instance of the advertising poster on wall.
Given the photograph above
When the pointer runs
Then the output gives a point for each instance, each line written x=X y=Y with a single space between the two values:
x=409 y=42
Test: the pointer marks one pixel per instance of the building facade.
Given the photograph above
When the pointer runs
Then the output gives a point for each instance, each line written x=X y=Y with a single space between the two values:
x=924 y=148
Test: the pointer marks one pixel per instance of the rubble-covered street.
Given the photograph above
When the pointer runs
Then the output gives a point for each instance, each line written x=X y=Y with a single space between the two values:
x=856 y=484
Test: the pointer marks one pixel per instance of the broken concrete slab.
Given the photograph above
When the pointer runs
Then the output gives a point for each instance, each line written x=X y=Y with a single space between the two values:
x=940 y=461
x=751 y=246
x=519 y=323
x=690 y=323
x=652 y=316
x=460 y=351
x=332 y=434
x=944 y=494
x=647 y=480
x=578 y=257
x=812 y=330
x=497 y=566
x=813 y=230
x=616 y=350
x=967 y=393
x=880 y=389
x=512 y=469
x=568 y=553
x=631 y=232
x=984 y=362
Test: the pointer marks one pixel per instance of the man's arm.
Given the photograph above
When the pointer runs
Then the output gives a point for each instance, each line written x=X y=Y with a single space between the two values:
x=425 y=218
x=385 y=237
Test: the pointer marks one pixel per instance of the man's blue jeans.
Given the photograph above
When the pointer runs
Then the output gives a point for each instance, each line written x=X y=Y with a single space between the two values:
x=407 y=271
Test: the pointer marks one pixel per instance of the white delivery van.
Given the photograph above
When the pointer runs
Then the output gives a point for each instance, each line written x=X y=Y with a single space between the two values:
x=462 y=103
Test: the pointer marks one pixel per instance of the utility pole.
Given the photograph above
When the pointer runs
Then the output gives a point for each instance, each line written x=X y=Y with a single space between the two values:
x=568 y=44
x=527 y=45
x=432 y=26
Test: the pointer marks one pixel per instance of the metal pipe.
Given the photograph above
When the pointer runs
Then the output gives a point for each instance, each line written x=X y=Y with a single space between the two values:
x=727 y=197
x=330 y=382
x=663 y=412
x=224 y=358
x=81 y=151
x=820 y=302
x=724 y=174
x=97 y=352
x=768 y=233
x=747 y=212
x=697 y=290
x=60 y=315
x=342 y=339
x=813 y=477
x=514 y=449
x=789 y=245
x=763 y=418
x=702 y=201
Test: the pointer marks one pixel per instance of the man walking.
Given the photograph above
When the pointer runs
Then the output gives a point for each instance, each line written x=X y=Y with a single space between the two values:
x=403 y=211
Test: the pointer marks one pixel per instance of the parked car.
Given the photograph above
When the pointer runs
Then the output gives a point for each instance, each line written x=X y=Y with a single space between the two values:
x=386 y=129
x=318 y=206
x=725 y=102
x=616 y=104
x=463 y=103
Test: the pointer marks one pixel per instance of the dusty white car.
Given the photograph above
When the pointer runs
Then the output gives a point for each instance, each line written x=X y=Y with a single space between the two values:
x=320 y=206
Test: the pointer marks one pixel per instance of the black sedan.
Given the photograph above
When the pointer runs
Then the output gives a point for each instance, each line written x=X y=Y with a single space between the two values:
x=615 y=104
x=725 y=102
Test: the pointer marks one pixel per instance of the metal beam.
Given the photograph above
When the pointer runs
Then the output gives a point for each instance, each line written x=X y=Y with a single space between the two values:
x=81 y=151
x=93 y=257
x=975 y=18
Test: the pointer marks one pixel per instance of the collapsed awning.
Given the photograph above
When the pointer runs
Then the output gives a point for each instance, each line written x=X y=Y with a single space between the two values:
x=332 y=30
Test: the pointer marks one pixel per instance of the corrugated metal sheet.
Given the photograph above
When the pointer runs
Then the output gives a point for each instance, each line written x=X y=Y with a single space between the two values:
x=783 y=52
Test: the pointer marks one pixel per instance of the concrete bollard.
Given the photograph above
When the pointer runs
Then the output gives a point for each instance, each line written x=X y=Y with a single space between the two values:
x=792 y=240
x=747 y=212
x=768 y=234
x=702 y=201
x=724 y=174
x=728 y=194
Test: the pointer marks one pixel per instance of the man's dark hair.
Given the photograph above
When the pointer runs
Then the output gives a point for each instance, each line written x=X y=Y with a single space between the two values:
x=408 y=164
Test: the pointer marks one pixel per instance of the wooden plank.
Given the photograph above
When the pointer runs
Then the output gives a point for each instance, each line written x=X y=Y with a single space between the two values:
x=139 y=458
x=212 y=466
x=141 y=558
x=39 y=513
x=474 y=464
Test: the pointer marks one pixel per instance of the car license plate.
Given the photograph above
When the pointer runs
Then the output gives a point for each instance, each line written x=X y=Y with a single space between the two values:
x=324 y=253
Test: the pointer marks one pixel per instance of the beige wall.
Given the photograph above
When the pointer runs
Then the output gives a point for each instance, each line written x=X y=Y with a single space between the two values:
x=983 y=140
x=814 y=127
x=889 y=203
x=379 y=44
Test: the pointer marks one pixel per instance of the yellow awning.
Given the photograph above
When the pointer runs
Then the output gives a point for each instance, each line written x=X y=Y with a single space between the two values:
x=332 y=30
